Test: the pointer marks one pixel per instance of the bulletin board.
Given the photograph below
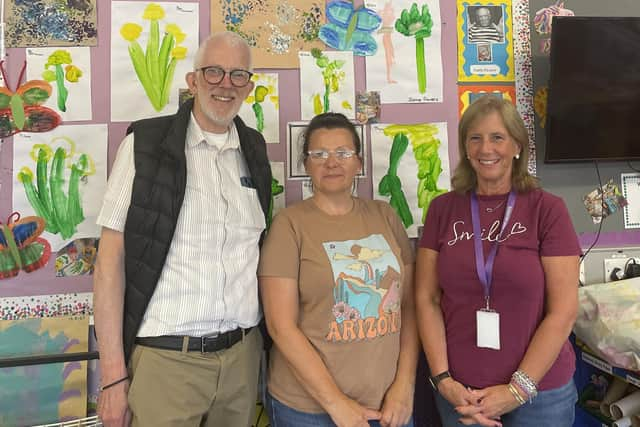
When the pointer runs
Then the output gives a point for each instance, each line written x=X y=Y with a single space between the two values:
x=108 y=109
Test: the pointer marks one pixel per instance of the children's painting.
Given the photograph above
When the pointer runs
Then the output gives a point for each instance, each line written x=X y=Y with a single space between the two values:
x=485 y=41
x=48 y=393
x=350 y=28
x=261 y=108
x=152 y=49
x=410 y=168
x=278 y=196
x=407 y=67
x=21 y=247
x=38 y=23
x=21 y=108
x=68 y=71
x=326 y=83
x=77 y=258
x=295 y=157
x=467 y=94
x=61 y=176
x=276 y=30
x=543 y=23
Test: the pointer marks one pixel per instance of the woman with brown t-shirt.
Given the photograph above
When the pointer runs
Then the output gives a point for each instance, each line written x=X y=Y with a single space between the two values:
x=336 y=283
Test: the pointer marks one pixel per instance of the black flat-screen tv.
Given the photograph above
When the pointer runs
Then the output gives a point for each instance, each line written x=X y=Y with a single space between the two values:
x=593 y=105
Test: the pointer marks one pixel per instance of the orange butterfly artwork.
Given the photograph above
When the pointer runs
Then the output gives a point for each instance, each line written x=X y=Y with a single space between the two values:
x=21 y=248
x=22 y=110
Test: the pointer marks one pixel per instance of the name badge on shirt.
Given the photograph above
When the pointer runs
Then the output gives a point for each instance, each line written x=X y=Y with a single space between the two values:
x=246 y=181
x=488 y=329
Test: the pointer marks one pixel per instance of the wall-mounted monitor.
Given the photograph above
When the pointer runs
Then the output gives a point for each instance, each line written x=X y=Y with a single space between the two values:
x=593 y=110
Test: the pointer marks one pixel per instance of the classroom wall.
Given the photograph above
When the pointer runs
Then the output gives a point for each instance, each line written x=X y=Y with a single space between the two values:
x=572 y=181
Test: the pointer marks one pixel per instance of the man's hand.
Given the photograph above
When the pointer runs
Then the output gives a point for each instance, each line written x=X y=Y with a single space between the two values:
x=113 y=407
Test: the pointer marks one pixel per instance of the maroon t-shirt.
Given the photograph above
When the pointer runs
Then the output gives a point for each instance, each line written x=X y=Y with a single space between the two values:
x=539 y=226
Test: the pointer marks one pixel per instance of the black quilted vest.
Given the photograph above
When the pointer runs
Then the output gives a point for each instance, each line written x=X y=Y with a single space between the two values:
x=158 y=192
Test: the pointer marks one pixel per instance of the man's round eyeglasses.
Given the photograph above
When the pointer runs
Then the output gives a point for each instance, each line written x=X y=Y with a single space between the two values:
x=323 y=155
x=214 y=75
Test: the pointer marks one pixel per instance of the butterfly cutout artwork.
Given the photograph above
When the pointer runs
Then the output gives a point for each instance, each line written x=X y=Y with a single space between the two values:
x=21 y=247
x=22 y=110
x=349 y=28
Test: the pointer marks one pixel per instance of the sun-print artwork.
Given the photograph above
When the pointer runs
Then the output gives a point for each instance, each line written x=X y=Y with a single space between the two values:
x=39 y=23
x=276 y=30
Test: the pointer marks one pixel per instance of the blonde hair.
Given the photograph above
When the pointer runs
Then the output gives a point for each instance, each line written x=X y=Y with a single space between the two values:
x=464 y=178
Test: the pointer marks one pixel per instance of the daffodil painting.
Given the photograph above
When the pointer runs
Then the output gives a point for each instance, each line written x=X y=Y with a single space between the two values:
x=410 y=168
x=68 y=71
x=260 y=109
x=61 y=176
x=407 y=67
x=152 y=48
x=276 y=30
x=327 y=83
x=40 y=23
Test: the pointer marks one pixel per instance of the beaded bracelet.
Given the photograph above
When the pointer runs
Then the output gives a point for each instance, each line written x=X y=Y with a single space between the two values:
x=515 y=393
x=524 y=381
x=104 y=387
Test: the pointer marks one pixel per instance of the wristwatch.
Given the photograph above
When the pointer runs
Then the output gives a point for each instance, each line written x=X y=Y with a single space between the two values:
x=435 y=380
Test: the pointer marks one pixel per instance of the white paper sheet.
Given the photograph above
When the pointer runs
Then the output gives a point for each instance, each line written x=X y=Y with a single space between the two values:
x=407 y=169
x=85 y=139
x=78 y=103
x=128 y=99
x=631 y=192
x=398 y=83
x=270 y=107
x=341 y=95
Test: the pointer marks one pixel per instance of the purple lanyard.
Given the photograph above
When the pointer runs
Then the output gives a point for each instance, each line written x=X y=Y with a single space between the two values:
x=485 y=270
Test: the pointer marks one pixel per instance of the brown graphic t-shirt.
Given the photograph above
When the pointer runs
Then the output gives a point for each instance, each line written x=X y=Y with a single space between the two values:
x=349 y=270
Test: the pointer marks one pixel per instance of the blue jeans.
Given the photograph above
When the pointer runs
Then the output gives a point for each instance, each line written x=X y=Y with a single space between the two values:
x=551 y=408
x=282 y=415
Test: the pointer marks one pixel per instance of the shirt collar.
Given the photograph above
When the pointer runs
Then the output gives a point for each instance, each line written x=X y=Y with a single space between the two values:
x=196 y=136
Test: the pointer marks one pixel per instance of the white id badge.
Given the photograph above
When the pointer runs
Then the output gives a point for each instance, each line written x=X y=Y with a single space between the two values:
x=488 y=329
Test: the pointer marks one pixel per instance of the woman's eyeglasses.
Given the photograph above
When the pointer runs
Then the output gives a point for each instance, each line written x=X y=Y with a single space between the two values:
x=323 y=155
x=214 y=75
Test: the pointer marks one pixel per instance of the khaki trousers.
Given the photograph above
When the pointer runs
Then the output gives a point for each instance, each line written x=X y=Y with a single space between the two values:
x=191 y=389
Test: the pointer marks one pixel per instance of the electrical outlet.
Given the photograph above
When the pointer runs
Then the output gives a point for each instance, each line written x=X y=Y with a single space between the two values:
x=615 y=262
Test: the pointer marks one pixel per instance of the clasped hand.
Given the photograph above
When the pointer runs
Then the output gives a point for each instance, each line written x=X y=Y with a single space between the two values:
x=482 y=406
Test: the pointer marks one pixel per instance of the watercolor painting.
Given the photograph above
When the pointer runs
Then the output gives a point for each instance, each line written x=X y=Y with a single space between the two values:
x=61 y=177
x=77 y=258
x=68 y=71
x=21 y=247
x=327 y=83
x=485 y=41
x=410 y=168
x=152 y=49
x=349 y=28
x=21 y=110
x=39 y=394
x=276 y=30
x=467 y=94
x=261 y=108
x=38 y=23
x=408 y=66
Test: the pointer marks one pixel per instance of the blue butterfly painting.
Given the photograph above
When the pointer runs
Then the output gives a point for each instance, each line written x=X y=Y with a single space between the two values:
x=20 y=246
x=349 y=28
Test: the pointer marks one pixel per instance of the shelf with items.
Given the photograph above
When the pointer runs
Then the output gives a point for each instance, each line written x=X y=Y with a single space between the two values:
x=582 y=353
